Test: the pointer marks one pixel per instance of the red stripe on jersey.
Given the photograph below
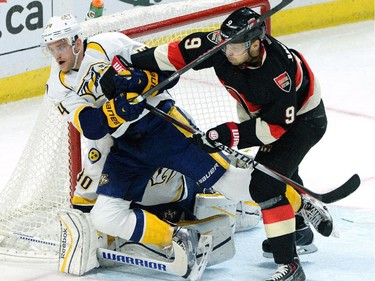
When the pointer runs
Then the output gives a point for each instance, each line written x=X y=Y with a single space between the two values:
x=252 y=108
x=235 y=134
x=298 y=78
x=174 y=55
x=311 y=76
x=276 y=131
x=278 y=214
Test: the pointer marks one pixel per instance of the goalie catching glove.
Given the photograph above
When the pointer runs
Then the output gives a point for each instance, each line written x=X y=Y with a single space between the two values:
x=226 y=134
x=121 y=77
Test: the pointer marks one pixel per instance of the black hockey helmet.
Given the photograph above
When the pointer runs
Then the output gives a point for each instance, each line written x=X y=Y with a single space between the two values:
x=238 y=20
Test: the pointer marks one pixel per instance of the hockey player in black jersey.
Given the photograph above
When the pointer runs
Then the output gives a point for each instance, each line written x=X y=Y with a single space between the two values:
x=280 y=110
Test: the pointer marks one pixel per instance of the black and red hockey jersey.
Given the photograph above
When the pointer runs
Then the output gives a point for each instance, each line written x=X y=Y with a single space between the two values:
x=273 y=95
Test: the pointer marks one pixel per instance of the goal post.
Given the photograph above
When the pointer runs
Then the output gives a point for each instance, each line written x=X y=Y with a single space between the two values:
x=44 y=178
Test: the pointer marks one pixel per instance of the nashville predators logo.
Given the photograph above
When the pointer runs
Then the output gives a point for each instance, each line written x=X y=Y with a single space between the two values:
x=103 y=179
x=90 y=82
x=94 y=155
x=162 y=175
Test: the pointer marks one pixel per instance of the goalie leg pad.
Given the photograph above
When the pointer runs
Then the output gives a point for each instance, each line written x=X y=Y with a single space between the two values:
x=78 y=243
x=207 y=205
x=219 y=226
x=248 y=215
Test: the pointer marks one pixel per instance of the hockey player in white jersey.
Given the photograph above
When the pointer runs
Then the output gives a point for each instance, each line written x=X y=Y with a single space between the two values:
x=67 y=63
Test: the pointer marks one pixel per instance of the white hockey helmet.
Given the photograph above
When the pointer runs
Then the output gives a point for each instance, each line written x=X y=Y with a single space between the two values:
x=62 y=27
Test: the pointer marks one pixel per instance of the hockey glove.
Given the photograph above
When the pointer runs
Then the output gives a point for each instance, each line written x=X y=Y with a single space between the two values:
x=123 y=78
x=226 y=134
x=119 y=110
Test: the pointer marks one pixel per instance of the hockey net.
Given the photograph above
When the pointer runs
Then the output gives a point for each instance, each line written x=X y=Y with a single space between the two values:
x=42 y=183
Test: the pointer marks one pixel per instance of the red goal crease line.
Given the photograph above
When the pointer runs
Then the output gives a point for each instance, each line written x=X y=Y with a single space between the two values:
x=3 y=1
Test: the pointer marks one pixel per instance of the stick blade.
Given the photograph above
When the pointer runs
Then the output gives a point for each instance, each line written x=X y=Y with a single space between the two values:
x=343 y=191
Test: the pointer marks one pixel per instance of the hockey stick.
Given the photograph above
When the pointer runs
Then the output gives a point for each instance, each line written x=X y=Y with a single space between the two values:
x=29 y=237
x=213 y=50
x=334 y=195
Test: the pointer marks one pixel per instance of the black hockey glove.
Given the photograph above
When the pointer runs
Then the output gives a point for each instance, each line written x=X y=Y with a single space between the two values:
x=226 y=134
x=123 y=78
x=203 y=142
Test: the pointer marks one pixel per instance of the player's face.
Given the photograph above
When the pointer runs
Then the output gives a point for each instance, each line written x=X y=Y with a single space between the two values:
x=236 y=53
x=62 y=51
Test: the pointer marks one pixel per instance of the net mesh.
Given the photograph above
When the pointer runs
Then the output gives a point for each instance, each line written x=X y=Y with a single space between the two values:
x=38 y=188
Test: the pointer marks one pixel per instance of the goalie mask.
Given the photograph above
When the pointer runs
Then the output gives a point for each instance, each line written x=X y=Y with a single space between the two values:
x=238 y=20
x=61 y=27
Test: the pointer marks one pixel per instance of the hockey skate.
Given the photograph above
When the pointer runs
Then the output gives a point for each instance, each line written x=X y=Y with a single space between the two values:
x=289 y=272
x=197 y=248
x=304 y=240
x=317 y=214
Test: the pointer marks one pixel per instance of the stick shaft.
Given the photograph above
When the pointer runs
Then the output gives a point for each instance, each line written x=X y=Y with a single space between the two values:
x=336 y=194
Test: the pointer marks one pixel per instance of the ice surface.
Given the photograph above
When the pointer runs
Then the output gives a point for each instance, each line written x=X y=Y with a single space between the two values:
x=343 y=58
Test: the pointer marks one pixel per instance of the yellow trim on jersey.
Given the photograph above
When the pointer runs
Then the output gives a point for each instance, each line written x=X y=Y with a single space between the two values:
x=221 y=160
x=179 y=192
x=62 y=76
x=156 y=231
x=76 y=200
x=175 y=113
x=76 y=121
x=294 y=198
x=95 y=46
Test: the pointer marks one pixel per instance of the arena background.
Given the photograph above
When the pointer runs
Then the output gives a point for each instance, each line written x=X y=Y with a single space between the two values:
x=24 y=69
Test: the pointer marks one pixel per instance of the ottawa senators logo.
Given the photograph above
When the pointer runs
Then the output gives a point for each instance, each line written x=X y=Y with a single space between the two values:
x=214 y=37
x=284 y=82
